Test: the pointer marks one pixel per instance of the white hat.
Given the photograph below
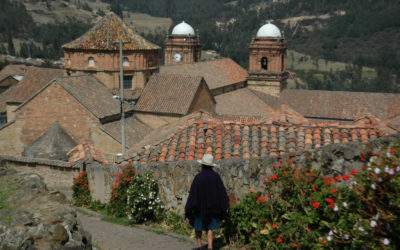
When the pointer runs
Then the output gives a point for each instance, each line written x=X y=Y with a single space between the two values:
x=207 y=160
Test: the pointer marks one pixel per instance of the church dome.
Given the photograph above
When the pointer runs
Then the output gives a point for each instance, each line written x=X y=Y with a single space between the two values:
x=269 y=30
x=183 y=29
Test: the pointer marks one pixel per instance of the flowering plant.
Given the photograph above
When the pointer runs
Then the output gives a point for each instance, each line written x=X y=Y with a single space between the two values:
x=143 y=203
x=80 y=190
x=299 y=207
x=118 y=200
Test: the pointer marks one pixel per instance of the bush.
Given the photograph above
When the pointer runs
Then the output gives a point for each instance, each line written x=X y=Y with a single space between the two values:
x=143 y=203
x=135 y=196
x=298 y=207
x=118 y=200
x=81 y=191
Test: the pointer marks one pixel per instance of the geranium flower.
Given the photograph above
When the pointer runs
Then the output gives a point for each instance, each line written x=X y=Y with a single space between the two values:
x=329 y=200
x=333 y=191
x=353 y=172
x=313 y=189
x=274 y=226
x=251 y=191
x=316 y=204
x=345 y=177
x=274 y=176
x=337 y=178
x=279 y=240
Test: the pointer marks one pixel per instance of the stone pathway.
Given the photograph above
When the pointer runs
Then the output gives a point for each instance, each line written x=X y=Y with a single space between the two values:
x=108 y=235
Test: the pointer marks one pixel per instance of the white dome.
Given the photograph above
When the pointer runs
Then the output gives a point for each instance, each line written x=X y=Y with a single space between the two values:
x=183 y=29
x=269 y=30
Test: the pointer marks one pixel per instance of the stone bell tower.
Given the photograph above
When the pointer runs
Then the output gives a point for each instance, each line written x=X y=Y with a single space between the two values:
x=267 y=61
x=182 y=46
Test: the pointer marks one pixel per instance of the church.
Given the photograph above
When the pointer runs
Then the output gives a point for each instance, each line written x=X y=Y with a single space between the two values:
x=184 y=108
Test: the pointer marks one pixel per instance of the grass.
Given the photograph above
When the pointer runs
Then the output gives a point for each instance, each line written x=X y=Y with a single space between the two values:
x=117 y=220
x=7 y=189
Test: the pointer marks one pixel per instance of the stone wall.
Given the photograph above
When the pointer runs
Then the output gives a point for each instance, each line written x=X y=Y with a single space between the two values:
x=238 y=175
x=56 y=174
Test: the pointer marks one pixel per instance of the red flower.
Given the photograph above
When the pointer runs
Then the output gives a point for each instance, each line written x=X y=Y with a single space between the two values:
x=313 y=189
x=362 y=158
x=274 y=226
x=345 y=177
x=251 y=191
x=279 y=165
x=316 y=204
x=291 y=160
x=274 y=176
x=262 y=187
x=284 y=172
x=329 y=200
x=353 y=172
x=253 y=235
x=80 y=180
x=128 y=179
x=295 y=170
x=280 y=236
x=295 y=245
x=269 y=195
x=337 y=178
x=273 y=165
x=266 y=220
x=280 y=160
x=309 y=229
x=279 y=240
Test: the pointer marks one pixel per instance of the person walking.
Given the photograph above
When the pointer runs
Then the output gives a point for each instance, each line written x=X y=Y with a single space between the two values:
x=208 y=202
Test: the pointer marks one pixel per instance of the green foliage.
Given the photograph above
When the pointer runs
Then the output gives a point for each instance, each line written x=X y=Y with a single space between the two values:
x=135 y=196
x=143 y=203
x=176 y=223
x=298 y=207
x=81 y=191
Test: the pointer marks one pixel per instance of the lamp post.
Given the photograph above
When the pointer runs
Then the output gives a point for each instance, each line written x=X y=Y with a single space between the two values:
x=121 y=86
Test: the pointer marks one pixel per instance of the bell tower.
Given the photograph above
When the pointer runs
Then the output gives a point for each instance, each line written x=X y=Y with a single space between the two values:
x=182 y=46
x=267 y=61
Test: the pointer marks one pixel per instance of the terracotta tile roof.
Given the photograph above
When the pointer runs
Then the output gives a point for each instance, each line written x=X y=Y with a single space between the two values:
x=169 y=94
x=4 y=96
x=395 y=121
x=226 y=140
x=92 y=94
x=86 y=152
x=338 y=105
x=13 y=70
x=217 y=73
x=109 y=29
x=242 y=102
x=34 y=79
x=135 y=130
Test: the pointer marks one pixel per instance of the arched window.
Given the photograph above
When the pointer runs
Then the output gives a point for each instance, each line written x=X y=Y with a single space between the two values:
x=91 y=62
x=125 y=62
x=264 y=63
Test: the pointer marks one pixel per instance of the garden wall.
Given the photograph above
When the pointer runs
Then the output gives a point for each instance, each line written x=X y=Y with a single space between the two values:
x=56 y=174
x=239 y=175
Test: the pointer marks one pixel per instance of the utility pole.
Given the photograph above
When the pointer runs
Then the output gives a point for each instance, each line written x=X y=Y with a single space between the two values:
x=121 y=83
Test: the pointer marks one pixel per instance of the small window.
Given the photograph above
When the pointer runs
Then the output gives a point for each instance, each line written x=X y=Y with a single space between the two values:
x=264 y=63
x=128 y=82
x=91 y=62
x=151 y=62
x=125 y=62
x=3 y=118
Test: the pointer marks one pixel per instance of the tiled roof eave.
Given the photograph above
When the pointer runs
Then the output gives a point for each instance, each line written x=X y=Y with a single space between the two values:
x=160 y=113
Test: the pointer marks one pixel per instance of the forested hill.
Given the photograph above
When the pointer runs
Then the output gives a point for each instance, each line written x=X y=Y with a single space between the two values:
x=363 y=32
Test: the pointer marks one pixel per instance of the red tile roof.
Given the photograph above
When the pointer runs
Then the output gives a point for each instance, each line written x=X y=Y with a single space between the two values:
x=135 y=130
x=337 y=105
x=107 y=31
x=13 y=70
x=34 y=79
x=217 y=73
x=242 y=102
x=90 y=92
x=169 y=94
x=226 y=139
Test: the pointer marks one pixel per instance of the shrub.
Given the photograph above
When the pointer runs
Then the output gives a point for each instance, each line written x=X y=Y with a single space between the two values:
x=118 y=200
x=80 y=190
x=298 y=207
x=135 y=196
x=143 y=203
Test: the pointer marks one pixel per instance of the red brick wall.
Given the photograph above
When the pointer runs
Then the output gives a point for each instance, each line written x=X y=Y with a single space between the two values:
x=53 y=105
x=203 y=100
x=106 y=67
